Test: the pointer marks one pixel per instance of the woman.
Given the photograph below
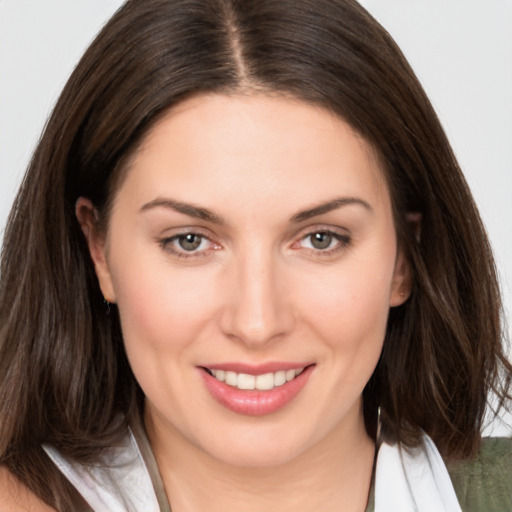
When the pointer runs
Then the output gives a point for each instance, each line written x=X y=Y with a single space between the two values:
x=255 y=277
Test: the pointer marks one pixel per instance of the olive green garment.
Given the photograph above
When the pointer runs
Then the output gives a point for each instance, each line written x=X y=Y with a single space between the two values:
x=483 y=484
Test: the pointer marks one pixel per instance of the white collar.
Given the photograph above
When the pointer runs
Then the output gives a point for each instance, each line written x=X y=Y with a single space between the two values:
x=119 y=482
x=413 y=480
x=405 y=481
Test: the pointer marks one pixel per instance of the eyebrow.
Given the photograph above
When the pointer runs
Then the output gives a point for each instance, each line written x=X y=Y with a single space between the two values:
x=205 y=214
x=185 y=208
x=328 y=206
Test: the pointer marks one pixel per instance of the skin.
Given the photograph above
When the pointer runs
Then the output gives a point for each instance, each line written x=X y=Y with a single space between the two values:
x=15 y=497
x=255 y=290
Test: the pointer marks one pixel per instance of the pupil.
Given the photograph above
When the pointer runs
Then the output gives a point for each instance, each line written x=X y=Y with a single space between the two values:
x=190 y=242
x=321 y=240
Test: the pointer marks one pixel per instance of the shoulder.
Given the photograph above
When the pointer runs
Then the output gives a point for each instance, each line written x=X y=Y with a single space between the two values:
x=484 y=484
x=15 y=497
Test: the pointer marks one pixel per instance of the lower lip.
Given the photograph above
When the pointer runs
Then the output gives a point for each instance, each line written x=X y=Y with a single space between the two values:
x=256 y=402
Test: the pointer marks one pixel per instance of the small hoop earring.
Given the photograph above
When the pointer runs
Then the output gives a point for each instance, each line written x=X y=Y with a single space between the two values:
x=379 y=425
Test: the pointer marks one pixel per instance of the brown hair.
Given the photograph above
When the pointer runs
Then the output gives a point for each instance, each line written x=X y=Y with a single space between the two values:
x=64 y=376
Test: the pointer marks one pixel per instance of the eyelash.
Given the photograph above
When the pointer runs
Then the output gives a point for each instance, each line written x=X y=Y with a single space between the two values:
x=343 y=241
x=167 y=244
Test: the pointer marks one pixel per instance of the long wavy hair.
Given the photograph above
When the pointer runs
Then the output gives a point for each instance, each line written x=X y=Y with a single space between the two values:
x=64 y=375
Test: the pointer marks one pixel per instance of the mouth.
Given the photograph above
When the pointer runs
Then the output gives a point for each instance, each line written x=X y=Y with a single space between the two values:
x=256 y=391
x=248 y=382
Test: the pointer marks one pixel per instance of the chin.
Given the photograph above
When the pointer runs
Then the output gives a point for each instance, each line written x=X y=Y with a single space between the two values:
x=257 y=457
x=258 y=448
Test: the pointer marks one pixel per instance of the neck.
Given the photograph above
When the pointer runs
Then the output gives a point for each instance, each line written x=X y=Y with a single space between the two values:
x=332 y=475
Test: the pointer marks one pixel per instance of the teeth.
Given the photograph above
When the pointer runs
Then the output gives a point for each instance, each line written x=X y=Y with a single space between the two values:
x=245 y=381
x=219 y=375
x=263 y=382
x=279 y=378
x=290 y=374
x=231 y=378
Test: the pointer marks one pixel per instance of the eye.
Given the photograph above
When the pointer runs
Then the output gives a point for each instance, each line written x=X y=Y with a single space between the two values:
x=189 y=244
x=190 y=241
x=324 y=241
x=321 y=240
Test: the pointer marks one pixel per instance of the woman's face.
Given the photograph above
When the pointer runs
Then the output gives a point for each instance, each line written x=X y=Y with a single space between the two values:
x=252 y=240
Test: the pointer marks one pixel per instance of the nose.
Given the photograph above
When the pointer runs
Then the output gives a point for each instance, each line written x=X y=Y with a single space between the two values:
x=259 y=309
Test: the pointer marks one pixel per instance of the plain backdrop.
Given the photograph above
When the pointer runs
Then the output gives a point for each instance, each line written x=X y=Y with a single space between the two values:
x=460 y=49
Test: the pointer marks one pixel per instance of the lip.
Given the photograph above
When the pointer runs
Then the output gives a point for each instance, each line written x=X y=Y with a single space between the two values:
x=257 y=369
x=256 y=402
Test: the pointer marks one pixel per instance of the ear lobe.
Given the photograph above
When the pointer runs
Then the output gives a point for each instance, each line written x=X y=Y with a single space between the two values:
x=401 y=285
x=87 y=216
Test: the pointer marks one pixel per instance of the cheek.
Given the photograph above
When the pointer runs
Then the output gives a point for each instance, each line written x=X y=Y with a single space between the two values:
x=162 y=313
x=349 y=307
x=161 y=310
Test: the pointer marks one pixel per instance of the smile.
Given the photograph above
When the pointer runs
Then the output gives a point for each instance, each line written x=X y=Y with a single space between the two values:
x=264 y=382
x=255 y=391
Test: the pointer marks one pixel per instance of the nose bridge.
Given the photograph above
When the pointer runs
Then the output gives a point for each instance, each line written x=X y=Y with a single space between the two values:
x=259 y=309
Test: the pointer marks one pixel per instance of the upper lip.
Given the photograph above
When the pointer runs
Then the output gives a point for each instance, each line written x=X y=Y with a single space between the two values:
x=256 y=369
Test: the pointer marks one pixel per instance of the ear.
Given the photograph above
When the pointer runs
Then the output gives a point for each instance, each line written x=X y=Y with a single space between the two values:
x=403 y=275
x=87 y=216
x=401 y=285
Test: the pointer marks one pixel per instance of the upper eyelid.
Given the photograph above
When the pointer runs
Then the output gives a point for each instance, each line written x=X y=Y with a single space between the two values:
x=182 y=231
x=322 y=228
x=334 y=231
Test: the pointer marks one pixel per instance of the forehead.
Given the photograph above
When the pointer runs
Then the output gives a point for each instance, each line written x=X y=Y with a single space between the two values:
x=275 y=148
